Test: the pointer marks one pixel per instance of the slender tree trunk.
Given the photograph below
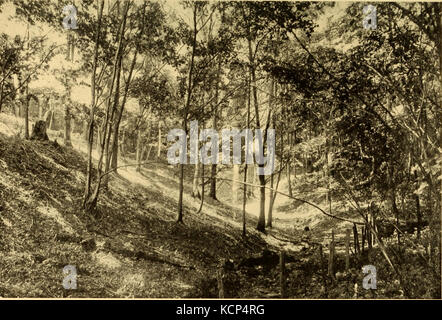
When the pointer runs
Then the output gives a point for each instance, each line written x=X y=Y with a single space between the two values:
x=92 y=201
x=108 y=153
x=114 y=163
x=235 y=185
x=202 y=174
x=115 y=145
x=90 y=134
x=273 y=197
x=110 y=111
x=244 y=200
x=99 y=138
x=289 y=180
x=327 y=177
x=262 y=192
x=270 y=212
x=186 y=110
x=418 y=208
x=27 y=112
x=212 y=192
x=67 y=126
x=269 y=216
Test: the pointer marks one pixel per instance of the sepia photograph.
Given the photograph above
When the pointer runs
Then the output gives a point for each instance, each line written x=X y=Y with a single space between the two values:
x=183 y=150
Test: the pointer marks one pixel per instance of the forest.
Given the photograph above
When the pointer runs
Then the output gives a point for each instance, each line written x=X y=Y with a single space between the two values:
x=344 y=102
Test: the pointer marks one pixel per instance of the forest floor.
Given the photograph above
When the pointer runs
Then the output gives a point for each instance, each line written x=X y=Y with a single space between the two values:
x=133 y=247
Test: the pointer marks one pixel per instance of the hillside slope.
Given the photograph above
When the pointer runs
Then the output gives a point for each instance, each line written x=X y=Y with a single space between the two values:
x=132 y=247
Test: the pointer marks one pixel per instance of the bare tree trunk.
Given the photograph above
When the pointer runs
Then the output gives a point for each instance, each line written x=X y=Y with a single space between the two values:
x=262 y=192
x=244 y=200
x=270 y=210
x=212 y=192
x=289 y=181
x=92 y=201
x=331 y=262
x=418 y=208
x=273 y=197
x=186 y=110
x=115 y=103
x=235 y=185
x=202 y=169
x=109 y=116
x=67 y=126
x=27 y=112
x=99 y=138
x=90 y=134
x=269 y=216
x=114 y=163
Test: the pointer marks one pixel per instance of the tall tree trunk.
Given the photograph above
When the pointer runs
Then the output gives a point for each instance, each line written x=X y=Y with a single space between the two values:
x=110 y=111
x=114 y=163
x=27 y=112
x=202 y=176
x=108 y=153
x=327 y=176
x=270 y=210
x=186 y=111
x=289 y=180
x=92 y=201
x=235 y=185
x=244 y=200
x=212 y=192
x=262 y=182
x=90 y=134
x=99 y=138
x=67 y=126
